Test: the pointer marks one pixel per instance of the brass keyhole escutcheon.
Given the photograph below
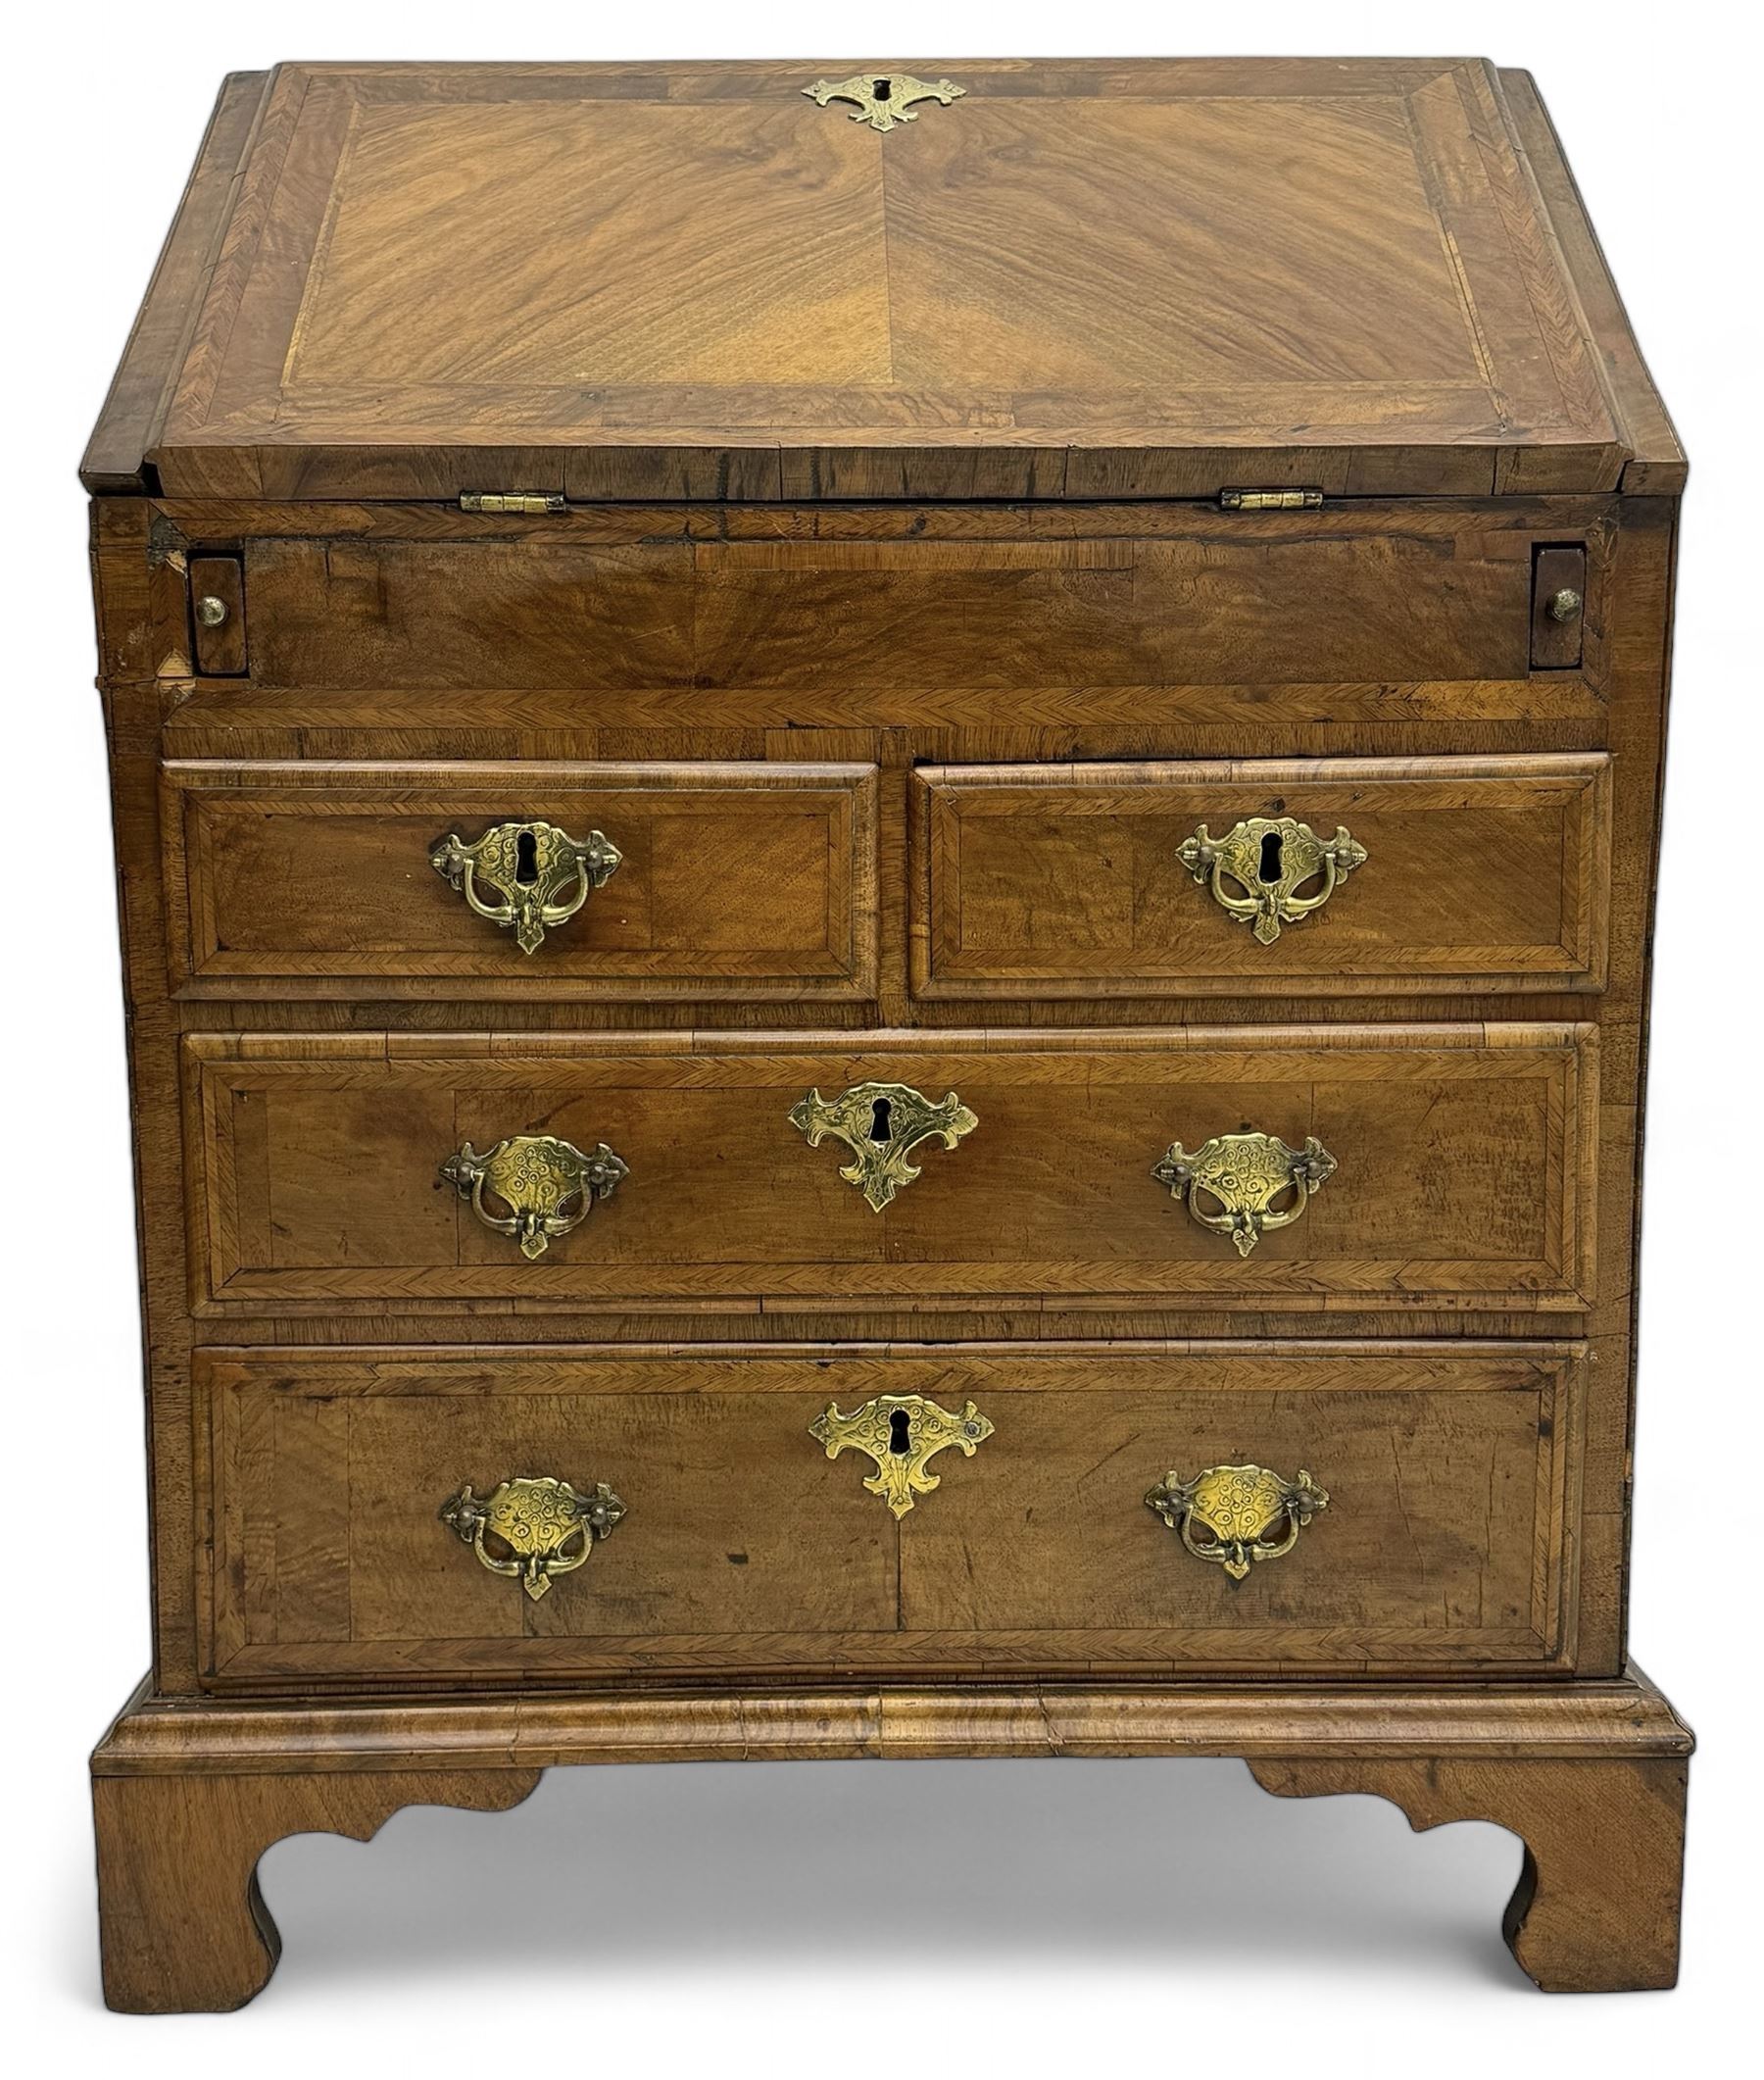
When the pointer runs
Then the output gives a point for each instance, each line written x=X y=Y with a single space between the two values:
x=1234 y=1182
x=900 y=1432
x=532 y=1530
x=544 y=1186
x=1262 y=871
x=884 y=99
x=1225 y=1514
x=529 y=877
x=881 y=1125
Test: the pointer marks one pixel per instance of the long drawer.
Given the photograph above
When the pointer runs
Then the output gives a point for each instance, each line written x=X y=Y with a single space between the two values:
x=1363 y=876
x=1383 y=1167
x=322 y=877
x=387 y=1515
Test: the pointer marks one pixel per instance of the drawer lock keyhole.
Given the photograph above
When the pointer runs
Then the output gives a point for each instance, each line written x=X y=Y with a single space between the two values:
x=880 y=1114
x=1272 y=845
x=526 y=859
x=900 y=1433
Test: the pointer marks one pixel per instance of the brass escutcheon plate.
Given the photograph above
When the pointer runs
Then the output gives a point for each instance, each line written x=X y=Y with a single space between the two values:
x=900 y=1432
x=1235 y=1507
x=1231 y=1183
x=1259 y=868
x=881 y=1123
x=542 y=1528
x=884 y=99
x=548 y=1186
x=537 y=876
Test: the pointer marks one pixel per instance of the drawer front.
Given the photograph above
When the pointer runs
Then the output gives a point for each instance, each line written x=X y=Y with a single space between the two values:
x=1462 y=1168
x=317 y=878
x=1368 y=875
x=1432 y=1534
x=872 y=601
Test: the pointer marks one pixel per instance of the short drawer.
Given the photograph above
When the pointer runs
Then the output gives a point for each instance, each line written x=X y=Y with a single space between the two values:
x=1298 y=1167
x=1365 y=877
x=389 y=1515
x=626 y=883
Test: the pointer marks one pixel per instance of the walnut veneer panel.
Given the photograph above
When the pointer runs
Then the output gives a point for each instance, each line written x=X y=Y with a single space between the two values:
x=1445 y=1541
x=1482 y=874
x=1466 y=1168
x=313 y=879
x=1033 y=282
x=1430 y=594
x=883 y=537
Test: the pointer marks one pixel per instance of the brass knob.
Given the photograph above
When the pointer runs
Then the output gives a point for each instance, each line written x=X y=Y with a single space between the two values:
x=537 y=1530
x=1236 y=1508
x=546 y=1185
x=1231 y=1183
x=1256 y=868
x=537 y=876
x=210 y=610
x=1564 y=605
x=881 y=1123
x=900 y=1432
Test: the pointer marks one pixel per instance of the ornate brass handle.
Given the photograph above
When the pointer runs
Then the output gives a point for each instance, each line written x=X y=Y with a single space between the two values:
x=1231 y=1183
x=1257 y=868
x=881 y=1123
x=537 y=875
x=1236 y=1506
x=548 y=1186
x=900 y=1432
x=539 y=1528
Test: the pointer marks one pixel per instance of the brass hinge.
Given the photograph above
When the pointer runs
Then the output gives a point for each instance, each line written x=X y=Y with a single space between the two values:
x=510 y=502
x=1267 y=501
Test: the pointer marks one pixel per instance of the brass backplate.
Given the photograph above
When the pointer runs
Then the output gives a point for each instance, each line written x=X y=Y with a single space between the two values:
x=900 y=1432
x=1262 y=871
x=884 y=99
x=1231 y=1183
x=1235 y=1507
x=537 y=876
x=541 y=1528
x=882 y=1123
x=546 y=1186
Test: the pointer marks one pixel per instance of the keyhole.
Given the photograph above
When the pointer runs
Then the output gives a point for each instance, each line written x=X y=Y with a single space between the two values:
x=900 y=1432
x=1270 y=856
x=526 y=859
x=879 y=1115
x=883 y=90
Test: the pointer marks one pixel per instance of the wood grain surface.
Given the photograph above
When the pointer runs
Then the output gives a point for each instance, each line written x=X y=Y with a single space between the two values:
x=314 y=878
x=1068 y=881
x=892 y=632
x=1036 y=291
x=1449 y=1543
x=1466 y=1168
x=1590 y=1776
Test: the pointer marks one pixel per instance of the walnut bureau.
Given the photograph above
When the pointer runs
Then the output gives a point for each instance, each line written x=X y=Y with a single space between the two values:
x=886 y=843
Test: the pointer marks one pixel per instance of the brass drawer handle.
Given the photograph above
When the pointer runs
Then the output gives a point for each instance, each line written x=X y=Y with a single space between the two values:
x=881 y=1123
x=1257 y=869
x=547 y=1185
x=1236 y=1508
x=900 y=1432
x=541 y=1528
x=1231 y=1183
x=537 y=876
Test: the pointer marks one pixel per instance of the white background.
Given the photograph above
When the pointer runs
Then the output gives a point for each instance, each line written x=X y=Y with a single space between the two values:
x=927 y=1918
